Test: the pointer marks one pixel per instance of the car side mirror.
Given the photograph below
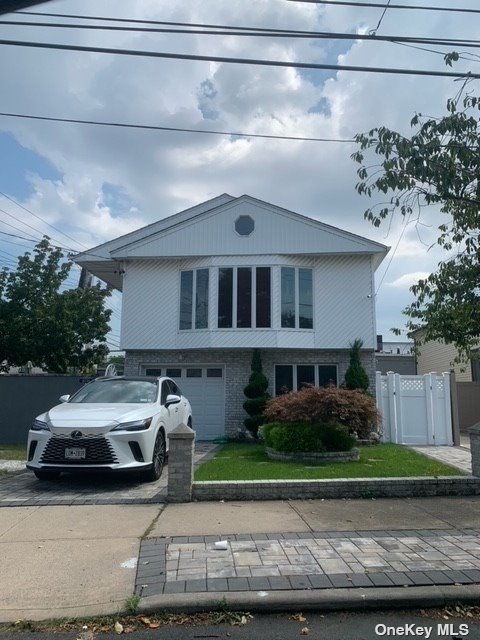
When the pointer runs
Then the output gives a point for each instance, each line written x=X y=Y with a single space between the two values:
x=172 y=398
x=65 y=398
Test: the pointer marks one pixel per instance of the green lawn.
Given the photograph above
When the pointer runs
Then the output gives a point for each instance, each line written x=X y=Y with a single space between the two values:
x=248 y=461
x=13 y=452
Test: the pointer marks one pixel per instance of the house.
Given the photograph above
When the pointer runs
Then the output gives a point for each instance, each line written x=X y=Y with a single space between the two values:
x=204 y=287
x=395 y=356
x=436 y=355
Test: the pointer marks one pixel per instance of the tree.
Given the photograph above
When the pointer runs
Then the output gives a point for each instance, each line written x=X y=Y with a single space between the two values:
x=41 y=324
x=356 y=377
x=256 y=395
x=438 y=165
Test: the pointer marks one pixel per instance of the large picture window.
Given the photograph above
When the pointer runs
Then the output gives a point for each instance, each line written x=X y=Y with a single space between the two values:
x=244 y=297
x=194 y=299
x=296 y=298
x=293 y=377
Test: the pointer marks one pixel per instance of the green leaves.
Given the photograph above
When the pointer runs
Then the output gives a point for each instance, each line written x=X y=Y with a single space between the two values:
x=51 y=328
x=440 y=165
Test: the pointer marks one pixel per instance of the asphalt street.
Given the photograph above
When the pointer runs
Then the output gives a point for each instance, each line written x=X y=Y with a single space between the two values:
x=432 y=625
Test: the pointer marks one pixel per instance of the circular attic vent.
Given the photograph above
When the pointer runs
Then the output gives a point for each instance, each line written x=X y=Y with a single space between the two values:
x=244 y=225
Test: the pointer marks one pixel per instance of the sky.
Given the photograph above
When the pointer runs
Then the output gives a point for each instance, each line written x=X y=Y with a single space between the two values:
x=83 y=185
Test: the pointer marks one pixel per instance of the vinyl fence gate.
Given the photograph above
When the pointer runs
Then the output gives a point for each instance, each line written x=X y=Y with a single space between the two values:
x=415 y=409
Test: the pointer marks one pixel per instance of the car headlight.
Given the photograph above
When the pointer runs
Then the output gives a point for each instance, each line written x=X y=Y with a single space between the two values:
x=39 y=425
x=136 y=425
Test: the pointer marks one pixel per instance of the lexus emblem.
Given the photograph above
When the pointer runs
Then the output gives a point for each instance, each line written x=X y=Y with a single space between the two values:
x=76 y=434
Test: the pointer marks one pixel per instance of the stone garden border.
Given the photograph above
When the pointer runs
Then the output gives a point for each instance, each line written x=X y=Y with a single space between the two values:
x=314 y=456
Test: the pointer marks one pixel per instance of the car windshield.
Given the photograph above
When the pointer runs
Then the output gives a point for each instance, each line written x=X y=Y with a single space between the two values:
x=118 y=391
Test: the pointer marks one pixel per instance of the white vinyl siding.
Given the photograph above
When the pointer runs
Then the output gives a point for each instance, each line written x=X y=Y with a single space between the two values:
x=342 y=310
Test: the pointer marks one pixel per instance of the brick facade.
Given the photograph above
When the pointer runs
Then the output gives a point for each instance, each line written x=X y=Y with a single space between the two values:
x=237 y=370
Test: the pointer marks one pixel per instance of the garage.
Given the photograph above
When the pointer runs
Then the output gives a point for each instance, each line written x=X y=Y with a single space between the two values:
x=204 y=386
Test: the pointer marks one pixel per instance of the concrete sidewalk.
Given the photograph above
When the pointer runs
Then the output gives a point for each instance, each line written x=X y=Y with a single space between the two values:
x=87 y=560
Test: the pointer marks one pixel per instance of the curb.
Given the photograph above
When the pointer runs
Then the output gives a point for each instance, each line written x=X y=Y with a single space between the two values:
x=325 y=600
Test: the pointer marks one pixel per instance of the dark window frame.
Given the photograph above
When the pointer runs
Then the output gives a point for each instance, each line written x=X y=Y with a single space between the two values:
x=295 y=320
x=294 y=376
x=230 y=318
x=193 y=304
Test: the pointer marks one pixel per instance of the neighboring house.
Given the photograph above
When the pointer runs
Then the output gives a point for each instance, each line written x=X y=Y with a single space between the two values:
x=438 y=356
x=204 y=287
x=395 y=356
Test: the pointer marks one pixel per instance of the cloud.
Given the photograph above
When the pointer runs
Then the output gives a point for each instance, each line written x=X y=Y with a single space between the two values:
x=158 y=173
x=408 y=279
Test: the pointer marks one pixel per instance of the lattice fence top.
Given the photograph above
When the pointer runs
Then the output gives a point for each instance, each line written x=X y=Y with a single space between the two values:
x=412 y=384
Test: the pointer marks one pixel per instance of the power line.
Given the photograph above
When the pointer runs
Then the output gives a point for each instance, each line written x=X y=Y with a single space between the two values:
x=29 y=226
x=393 y=254
x=378 y=5
x=247 y=61
x=41 y=219
x=256 y=32
x=174 y=129
x=374 y=31
x=9 y=224
x=4 y=233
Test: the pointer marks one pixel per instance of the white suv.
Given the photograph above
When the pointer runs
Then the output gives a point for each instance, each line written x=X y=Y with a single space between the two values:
x=110 y=424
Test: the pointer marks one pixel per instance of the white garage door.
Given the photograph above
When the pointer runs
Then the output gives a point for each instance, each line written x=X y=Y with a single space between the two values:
x=205 y=388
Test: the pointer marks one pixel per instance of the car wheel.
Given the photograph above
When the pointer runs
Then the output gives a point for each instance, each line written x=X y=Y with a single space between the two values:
x=47 y=475
x=158 y=458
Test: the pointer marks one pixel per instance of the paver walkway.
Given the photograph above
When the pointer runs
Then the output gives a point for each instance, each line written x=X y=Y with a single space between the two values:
x=459 y=457
x=318 y=560
x=23 y=489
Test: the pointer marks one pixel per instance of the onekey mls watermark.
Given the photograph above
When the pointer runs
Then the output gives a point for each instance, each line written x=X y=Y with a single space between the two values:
x=412 y=630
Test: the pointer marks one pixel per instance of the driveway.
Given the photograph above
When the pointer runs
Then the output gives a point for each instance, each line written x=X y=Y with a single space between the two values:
x=23 y=489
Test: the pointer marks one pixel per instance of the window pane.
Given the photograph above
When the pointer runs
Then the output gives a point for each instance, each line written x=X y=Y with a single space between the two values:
x=244 y=297
x=214 y=373
x=153 y=372
x=201 y=299
x=194 y=373
x=305 y=298
x=288 y=297
x=263 y=297
x=186 y=293
x=305 y=376
x=174 y=373
x=327 y=375
x=225 y=298
x=283 y=379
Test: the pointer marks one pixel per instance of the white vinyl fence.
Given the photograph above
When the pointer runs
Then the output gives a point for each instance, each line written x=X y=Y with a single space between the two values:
x=415 y=409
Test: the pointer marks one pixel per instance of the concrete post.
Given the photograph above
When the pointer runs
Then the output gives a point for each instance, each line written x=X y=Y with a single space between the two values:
x=180 y=464
x=475 y=449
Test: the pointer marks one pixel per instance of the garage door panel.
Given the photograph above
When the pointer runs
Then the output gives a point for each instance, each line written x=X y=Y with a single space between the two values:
x=206 y=393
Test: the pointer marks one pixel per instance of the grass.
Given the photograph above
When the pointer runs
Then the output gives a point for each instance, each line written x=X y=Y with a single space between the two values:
x=13 y=452
x=248 y=461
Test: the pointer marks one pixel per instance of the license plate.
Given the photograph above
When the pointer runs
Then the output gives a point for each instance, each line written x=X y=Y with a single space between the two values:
x=75 y=453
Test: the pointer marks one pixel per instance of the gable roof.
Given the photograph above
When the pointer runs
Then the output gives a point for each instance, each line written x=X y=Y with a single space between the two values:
x=211 y=225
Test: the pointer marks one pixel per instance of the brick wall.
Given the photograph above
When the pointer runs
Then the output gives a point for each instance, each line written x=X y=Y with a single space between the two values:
x=336 y=489
x=237 y=370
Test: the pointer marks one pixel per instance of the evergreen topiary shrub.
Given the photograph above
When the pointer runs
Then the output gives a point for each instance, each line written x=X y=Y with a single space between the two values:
x=356 y=377
x=257 y=396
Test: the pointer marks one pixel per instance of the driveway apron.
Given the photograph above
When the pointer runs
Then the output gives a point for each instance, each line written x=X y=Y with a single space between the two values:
x=23 y=489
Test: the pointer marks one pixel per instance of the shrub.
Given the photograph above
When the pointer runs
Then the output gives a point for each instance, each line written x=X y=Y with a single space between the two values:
x=256 y=396
x=356 y=376
x=307 y=437
x=355 y=410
